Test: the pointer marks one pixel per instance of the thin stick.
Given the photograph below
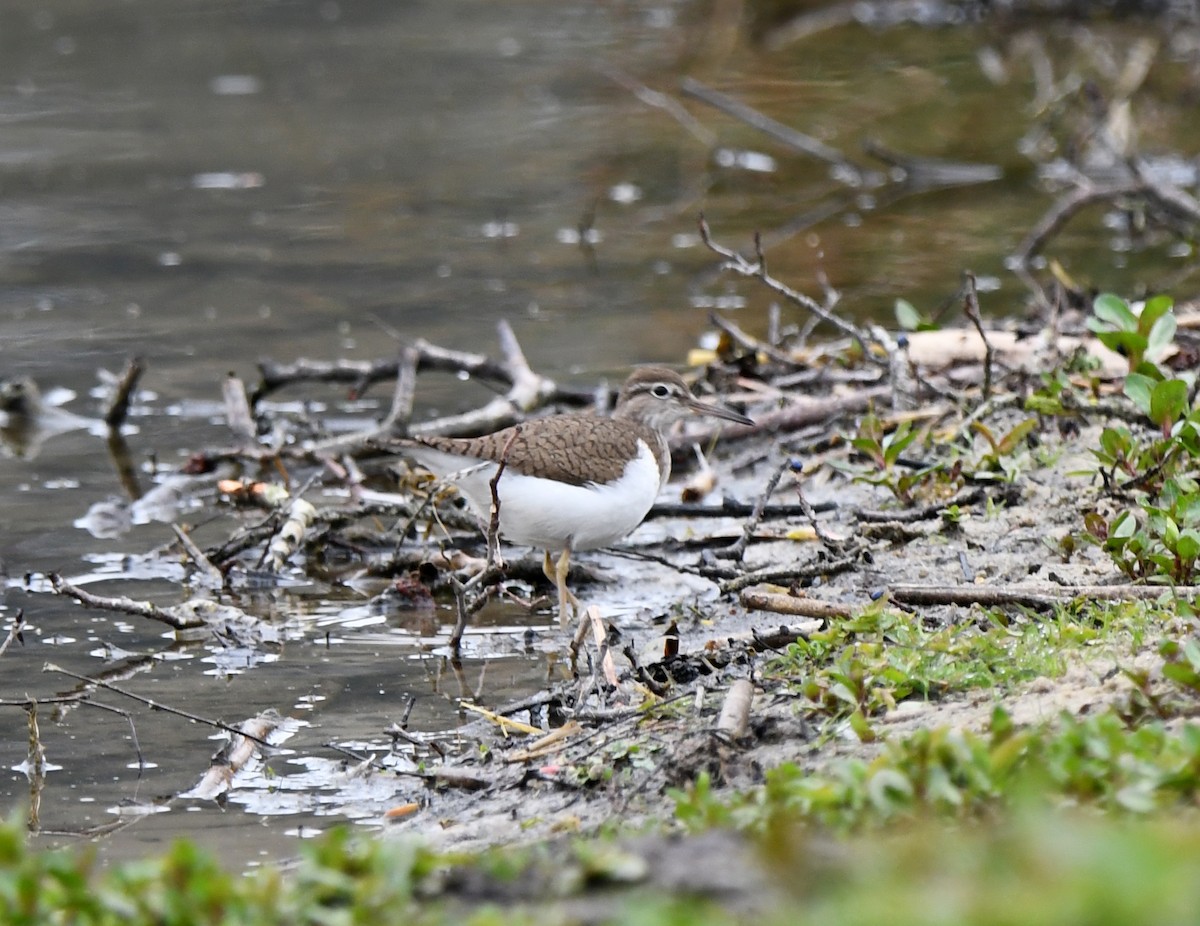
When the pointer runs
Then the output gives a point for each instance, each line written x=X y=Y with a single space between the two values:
x=124 y=605
x=971 y=308
x=152 y=704
x=118 y=404
x=397 y=418
x=198 y=557
x=777 y=130
x=737 y=550
x=738 y=264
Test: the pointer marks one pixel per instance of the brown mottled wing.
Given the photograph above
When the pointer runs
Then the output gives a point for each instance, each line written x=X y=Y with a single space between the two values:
x=575 y=449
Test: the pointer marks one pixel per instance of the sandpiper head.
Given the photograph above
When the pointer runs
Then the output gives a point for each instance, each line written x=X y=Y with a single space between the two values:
x=659 y=397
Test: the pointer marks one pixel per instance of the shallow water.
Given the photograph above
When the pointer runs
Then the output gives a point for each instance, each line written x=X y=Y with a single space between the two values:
x=203 y=185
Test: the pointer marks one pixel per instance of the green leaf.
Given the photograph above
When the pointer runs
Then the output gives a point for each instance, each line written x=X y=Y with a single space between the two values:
x=1154 y=310
x=1126 y=343
x=1187 y=547
x=1168 y=401
x=1124 y=525
x=1160 y=335
x=1013 y=438
x=1139 y=388
x=1112 y=309
x=895 y=443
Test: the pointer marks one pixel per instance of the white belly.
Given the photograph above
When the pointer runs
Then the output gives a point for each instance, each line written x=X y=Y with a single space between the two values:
x=552 y=515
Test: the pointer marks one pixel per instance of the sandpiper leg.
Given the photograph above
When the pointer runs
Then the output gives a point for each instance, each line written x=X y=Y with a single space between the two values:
x=557 y=573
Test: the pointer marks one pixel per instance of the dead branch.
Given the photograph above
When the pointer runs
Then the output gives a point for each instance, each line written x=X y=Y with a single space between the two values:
x=845 y=169
x=658 y=100
x=291 y=534
x=739 y=264
x=801 y=413
x=126 y=386
x=398 y=416
x=494 y=566
x=169 y=616
x=737 y=550
x=757 y=599
x=971 y=310
x=152 y=704
x=203 y=563
x=251 y=735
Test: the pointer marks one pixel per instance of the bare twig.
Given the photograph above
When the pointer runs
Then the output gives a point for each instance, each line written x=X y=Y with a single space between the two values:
x=118 y=403
x=494 y=565
x=971 y=309
x=739 y=264
x=668 y=104
x=152 y=704
x=203 y=563
x=398 y=416
x=124 y=605
x=737 y=550
x=846 y=170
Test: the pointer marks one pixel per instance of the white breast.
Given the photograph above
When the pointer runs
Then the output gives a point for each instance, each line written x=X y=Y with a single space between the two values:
x=550 y=515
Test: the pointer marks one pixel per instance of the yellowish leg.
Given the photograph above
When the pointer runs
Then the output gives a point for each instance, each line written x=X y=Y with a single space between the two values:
x=557 y=573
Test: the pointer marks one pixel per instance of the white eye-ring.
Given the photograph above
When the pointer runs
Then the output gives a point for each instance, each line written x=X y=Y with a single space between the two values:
x=660 y=390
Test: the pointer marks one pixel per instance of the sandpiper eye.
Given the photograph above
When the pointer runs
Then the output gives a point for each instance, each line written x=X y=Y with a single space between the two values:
x=660 y=390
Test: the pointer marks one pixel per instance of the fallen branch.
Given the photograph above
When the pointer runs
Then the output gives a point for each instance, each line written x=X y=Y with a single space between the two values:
x=152 y=704
x=126 y=386
x=169 y=616
x=1034 y=596
x=739 y=264
x=793 y=605
x=846 y=169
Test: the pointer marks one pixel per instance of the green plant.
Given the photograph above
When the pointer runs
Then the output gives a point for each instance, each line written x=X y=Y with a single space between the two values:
x=1142 y=337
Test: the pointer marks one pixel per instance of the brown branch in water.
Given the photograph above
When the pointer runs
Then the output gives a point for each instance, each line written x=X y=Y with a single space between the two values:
x=659 y=100
x=739 y=264
x=124 y=605
x=151 y=703
x=1168 y=197
x=971 y=309
x=846 y=170
x=118 y=403
x=197 y=556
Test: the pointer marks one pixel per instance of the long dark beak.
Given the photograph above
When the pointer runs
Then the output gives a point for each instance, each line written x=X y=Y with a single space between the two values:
x=718 y=411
